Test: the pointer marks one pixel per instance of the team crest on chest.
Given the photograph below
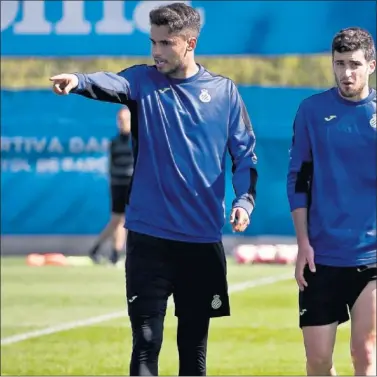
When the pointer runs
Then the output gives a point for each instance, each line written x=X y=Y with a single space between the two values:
x=205 y=96
x=372 y=122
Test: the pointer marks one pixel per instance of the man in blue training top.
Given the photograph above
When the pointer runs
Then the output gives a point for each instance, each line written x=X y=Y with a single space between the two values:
x=184 y=120
x=332 y=193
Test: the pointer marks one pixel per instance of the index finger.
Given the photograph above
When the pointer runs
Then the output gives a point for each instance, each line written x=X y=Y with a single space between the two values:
x=57 y=89
x=57 y=77
x=300 y=280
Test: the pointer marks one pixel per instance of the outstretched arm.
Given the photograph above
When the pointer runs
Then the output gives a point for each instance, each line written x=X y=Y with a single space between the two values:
x=102 y=86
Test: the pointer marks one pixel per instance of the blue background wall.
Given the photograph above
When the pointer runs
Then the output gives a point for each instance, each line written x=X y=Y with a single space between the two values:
x=54 y=150
x=61 y=197
x=99 y=27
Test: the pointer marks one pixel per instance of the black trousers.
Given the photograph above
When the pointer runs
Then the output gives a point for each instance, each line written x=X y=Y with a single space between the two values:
x=195 y=274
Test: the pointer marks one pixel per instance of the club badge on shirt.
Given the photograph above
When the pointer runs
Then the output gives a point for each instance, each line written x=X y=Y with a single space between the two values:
x=205 y=96
x=372 y=122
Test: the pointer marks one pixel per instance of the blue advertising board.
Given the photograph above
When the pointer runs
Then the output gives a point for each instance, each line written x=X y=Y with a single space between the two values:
x=54 y=161
x=63 y=28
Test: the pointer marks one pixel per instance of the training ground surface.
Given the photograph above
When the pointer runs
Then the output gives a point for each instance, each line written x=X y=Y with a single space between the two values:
x=260 y=338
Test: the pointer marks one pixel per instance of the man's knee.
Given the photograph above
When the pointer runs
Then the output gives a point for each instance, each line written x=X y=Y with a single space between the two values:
x=319 y=362
x=147 y=335
x=192 y=338
x=319 y=346
x=363 y=352
x=363 y=331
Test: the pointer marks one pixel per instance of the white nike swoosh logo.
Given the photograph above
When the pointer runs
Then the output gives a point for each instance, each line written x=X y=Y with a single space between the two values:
x=331 y=117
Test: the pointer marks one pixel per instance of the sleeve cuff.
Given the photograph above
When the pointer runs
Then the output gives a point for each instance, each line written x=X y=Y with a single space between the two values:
x=245 y=203
x=81 y=84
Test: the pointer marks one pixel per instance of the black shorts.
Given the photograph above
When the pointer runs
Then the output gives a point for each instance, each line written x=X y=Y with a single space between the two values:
x=331 y=293
x=194 y=273
x=118 y=198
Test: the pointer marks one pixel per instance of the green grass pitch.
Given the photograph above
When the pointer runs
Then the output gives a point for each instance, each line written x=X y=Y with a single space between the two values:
x=260 y=338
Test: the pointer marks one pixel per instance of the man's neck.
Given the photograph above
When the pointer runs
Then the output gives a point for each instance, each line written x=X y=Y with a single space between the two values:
x=359 y=97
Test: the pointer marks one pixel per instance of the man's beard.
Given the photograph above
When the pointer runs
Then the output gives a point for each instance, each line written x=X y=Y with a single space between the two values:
x=350 y=93
x=174 y=70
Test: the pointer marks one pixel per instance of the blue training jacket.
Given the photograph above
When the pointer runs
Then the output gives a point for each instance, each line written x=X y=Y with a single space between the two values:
x=181 y=131
x=333 y=173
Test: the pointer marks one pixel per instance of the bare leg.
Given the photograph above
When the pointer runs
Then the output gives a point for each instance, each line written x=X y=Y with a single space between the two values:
x=319 y=346
x=363 y=332
x=119 y=238
x=106 y=233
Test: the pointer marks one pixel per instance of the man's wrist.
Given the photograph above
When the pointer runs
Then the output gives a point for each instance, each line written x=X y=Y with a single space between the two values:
x=244 y=203
x=303 y=242
x=80 y=80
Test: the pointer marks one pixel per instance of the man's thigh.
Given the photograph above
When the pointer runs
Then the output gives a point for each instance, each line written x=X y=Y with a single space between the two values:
x=323 y=301
x=358 y=279
x=362 y=303
x=149 y=275
x=200 y=283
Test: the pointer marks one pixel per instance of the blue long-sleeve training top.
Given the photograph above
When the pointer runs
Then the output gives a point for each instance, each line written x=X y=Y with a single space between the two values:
x=181 y=131
x=332 y=172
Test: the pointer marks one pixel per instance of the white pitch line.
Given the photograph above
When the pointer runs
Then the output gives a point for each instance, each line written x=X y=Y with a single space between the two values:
x=108 y=317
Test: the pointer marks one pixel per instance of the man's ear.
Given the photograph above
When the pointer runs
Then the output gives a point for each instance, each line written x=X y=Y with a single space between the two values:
x=191 y=44
x=371 y=66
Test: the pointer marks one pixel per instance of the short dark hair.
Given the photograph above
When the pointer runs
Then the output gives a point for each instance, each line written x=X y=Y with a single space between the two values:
x=178 y=17
x=352 y=39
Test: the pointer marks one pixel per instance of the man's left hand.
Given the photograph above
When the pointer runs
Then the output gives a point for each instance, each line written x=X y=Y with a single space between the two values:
x=239 y=219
